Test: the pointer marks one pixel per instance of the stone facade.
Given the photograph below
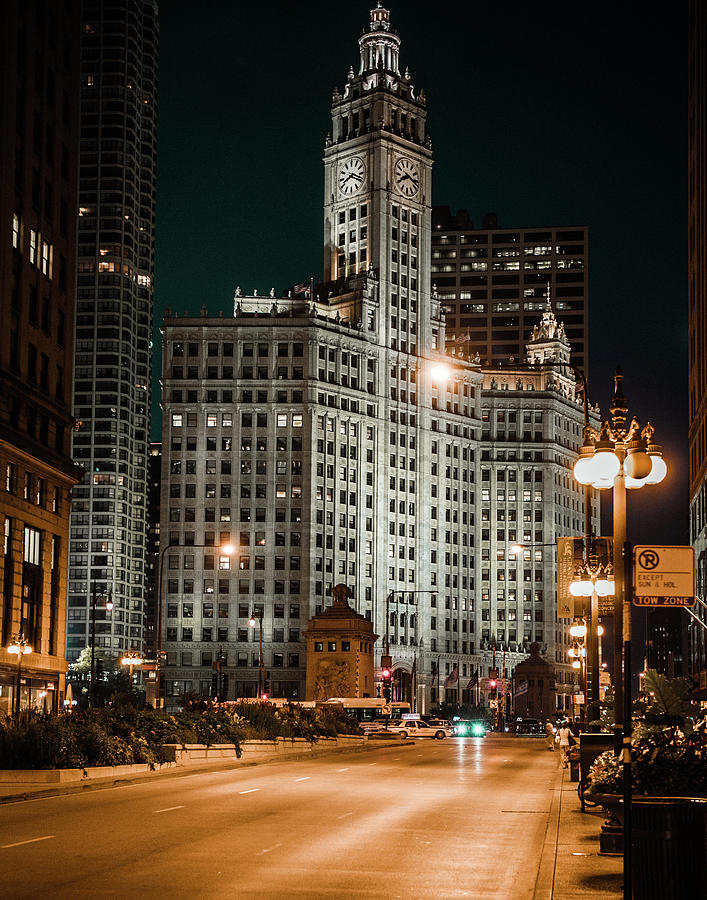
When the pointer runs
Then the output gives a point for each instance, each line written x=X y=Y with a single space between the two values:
x=340 y=645
x=328 y=436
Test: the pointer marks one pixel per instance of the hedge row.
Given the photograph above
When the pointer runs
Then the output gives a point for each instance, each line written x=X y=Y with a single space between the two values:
x=112 y=737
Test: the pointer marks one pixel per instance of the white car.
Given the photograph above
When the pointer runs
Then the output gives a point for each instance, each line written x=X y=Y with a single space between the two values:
x=418 y=729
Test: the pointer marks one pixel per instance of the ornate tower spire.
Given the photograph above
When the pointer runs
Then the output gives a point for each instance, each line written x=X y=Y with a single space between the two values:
x=379 y=46
x=548 y=341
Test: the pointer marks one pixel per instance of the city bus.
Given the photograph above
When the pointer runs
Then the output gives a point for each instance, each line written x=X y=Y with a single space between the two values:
x=366 y=710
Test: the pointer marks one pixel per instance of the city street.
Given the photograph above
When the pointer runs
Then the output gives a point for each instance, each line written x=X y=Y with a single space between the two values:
x=452 y=818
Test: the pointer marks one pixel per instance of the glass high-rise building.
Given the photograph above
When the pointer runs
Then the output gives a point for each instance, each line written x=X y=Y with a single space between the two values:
x=493 y=283
x=113 y=321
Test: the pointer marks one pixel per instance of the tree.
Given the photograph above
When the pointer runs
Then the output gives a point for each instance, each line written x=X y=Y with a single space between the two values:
x=111 y=677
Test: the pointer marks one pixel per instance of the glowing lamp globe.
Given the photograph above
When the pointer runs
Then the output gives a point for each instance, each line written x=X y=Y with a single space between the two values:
x=658 y=470
x=601 y=484
x=637 y=463
x=632 y=484
x=606 y=465
x=604 y=587
x=578 y=630
x=576 y=589
x=584 y=470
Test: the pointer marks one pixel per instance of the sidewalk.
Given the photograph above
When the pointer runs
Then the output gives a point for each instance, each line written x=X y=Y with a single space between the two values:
x=571 y=866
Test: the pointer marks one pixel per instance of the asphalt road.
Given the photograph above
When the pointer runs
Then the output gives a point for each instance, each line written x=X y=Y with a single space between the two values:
x=453 y=818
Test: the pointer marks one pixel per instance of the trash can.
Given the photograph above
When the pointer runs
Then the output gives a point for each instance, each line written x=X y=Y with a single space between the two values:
x=669 y=838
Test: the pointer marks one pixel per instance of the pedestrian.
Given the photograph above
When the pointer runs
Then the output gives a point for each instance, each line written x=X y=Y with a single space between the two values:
x=564 y=736
x=550 y=735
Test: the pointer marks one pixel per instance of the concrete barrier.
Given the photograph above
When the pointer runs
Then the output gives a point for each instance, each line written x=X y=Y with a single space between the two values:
x=188 y=756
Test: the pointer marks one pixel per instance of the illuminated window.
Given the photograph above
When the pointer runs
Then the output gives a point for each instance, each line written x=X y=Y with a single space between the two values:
x=177 y=420
x=15 y=231
x=47 y=258
x=33 y=241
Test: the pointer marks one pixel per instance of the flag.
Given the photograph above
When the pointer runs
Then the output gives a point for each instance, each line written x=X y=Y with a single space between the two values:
x=473 y=681
x=453 y=676
x=300 y=289
x=462 y=338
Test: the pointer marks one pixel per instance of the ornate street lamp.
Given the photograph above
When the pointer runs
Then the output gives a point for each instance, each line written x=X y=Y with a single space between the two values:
x=21 y=647
x=132 y=659
x=621 y=457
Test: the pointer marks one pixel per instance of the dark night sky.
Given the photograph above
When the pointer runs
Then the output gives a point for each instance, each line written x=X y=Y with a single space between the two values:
x=546 y=113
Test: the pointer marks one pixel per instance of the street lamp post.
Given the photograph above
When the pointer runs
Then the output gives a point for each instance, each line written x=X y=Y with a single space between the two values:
x=259 y=616
x=578 y=653
x=21 y=647
x=623 y=458
x=109 y=607
x=592 y=580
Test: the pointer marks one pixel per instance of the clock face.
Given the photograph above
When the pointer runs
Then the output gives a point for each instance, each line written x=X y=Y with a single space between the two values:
x=351 y=175
x=407 y=176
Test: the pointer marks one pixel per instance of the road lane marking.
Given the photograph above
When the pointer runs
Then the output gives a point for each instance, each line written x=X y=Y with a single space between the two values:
x=343 y=770
x=345 y=815
x=168 y=809
x=47 y=837
x=269 y=849
x=305 y=778
x=251 y=791
x=372 y=764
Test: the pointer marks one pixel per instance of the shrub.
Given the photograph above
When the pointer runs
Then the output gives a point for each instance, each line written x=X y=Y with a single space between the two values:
x=124 y=735
x=665 y=763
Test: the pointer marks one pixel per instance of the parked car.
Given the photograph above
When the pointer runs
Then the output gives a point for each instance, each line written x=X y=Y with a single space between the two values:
x=443 y=723
x=417 y=728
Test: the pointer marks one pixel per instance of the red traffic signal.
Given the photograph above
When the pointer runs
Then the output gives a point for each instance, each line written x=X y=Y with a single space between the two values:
x=385 y=674
x=492 y=683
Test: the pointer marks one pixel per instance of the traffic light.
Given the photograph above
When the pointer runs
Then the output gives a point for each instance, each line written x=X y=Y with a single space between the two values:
x=224 y=686
x=214 y=685
x=386 y=675
x=99 y=668
x=266 y=685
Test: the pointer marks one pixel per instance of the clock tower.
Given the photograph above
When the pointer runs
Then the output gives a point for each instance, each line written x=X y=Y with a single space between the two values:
x=377 y=190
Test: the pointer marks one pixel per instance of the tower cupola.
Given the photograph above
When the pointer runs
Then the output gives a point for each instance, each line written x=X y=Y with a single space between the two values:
x=379 y=46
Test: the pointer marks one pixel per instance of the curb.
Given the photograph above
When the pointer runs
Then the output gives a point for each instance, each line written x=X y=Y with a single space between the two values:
x=545 y=881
